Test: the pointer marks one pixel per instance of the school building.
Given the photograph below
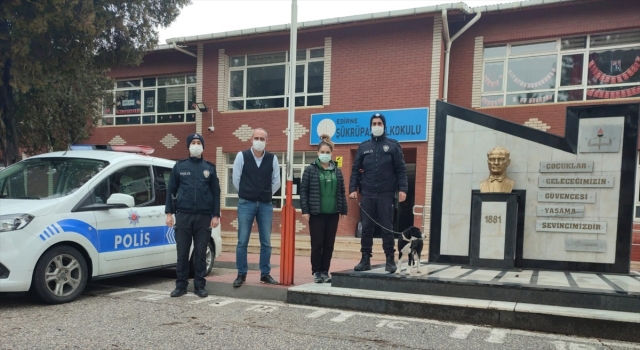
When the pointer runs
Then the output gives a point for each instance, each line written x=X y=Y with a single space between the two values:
x=524 y=62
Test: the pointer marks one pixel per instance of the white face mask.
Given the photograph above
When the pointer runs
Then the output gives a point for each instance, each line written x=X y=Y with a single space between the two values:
x=195 y=150
x=377 y=130
x=259 y=145
x=324 y=158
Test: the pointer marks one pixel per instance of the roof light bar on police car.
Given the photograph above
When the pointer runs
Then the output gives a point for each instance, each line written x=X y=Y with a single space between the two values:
x=145 y=150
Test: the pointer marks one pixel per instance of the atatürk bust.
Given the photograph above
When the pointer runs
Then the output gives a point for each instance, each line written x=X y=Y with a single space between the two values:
x=498 y=160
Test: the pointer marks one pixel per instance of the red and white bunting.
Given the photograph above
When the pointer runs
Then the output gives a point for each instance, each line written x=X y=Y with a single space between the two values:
x=597 y=93
x=534 y=85
x=614 y=79
x=488 y=103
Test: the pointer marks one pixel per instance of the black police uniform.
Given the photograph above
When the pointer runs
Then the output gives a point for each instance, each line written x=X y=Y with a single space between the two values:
x=195 y=182
x=378 y=171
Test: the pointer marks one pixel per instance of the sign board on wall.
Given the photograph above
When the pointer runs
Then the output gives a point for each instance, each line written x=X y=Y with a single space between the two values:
x=404 y=125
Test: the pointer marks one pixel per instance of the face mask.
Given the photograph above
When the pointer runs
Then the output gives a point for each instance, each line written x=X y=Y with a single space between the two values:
x=377 y=130
x=259 y=145
x=195 y=150
x=324 y=158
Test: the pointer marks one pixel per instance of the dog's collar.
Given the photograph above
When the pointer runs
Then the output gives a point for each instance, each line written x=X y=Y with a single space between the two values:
x=409 y=240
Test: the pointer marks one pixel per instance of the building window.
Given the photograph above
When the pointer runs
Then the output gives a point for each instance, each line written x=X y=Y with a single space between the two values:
x=155 y=100
x=592 y=67
x=300 y=161
x=262 y=81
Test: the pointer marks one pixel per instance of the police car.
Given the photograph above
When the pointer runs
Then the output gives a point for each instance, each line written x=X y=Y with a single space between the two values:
x=89 y=213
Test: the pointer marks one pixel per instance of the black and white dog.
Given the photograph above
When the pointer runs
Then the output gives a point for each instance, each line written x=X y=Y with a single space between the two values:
x=410 y=243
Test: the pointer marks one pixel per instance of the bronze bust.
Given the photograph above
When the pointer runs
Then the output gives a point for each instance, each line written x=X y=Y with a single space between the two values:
x=498 y=182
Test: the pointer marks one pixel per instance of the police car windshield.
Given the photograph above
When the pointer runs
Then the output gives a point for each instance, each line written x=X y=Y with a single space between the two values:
x=45 y=178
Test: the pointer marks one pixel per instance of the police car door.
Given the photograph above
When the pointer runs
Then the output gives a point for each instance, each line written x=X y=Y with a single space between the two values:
x=130 y=238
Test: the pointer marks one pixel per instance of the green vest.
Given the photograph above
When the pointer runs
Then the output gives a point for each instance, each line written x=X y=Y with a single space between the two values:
x=328 y=188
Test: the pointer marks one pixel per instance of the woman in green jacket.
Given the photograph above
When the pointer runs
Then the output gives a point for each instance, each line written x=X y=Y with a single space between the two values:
x=323 y=200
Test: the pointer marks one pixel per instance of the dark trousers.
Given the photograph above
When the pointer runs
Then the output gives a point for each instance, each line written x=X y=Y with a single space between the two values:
x=379 y=207
x=192 y=228
x=323 y=229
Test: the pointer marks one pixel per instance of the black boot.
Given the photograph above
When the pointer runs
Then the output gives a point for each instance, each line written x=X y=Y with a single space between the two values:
x=365 y=263
x=391 y=264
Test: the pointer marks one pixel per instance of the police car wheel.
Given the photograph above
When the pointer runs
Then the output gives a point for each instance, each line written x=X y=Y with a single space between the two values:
x=60 y=275
x=208 y=257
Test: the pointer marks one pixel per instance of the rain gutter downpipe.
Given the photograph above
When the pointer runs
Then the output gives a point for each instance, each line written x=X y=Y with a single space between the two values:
x=175 y=46
x=448 y=41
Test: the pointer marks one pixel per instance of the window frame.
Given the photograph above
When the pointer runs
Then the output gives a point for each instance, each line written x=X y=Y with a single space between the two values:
x=186 y=112
x=586 y=51
x=246 y=66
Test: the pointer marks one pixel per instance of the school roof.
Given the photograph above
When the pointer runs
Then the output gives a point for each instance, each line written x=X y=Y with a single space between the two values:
x=458 y=7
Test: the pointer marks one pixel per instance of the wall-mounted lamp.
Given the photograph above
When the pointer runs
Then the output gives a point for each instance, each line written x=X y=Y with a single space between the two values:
x=203 y=108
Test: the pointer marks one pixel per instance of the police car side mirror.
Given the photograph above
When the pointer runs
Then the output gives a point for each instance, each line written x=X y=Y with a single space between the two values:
x=121 y=200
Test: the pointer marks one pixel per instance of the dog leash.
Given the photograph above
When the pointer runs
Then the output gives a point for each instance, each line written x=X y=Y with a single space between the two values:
x=382 y=227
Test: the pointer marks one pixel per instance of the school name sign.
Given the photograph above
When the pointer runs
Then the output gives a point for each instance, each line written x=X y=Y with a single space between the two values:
x=404 y=125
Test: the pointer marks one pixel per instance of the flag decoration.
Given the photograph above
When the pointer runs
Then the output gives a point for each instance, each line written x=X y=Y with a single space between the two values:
x=614 y=79
x=528 y=85
x=598 y=93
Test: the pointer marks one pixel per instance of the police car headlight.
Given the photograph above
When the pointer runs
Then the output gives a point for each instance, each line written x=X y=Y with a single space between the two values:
x=14 y=222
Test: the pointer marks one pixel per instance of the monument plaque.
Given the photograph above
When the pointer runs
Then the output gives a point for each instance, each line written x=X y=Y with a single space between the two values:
x=561 y=211
x=585 y=245
x=576 y=181
x=600 y=139
x=566 y=167
x=571 y=226
x=567 y=197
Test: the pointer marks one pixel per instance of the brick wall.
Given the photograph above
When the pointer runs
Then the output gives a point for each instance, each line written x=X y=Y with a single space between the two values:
x=575 y=18
x=374 y=66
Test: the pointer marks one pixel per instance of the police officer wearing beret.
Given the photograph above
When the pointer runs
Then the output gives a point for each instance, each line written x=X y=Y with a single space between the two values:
x=378 y=171
x=197 y=208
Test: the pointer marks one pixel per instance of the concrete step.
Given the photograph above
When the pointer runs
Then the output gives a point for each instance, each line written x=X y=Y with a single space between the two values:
x=584 y=322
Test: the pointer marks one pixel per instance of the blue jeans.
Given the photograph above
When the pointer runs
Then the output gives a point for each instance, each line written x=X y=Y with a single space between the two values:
x=262 y=212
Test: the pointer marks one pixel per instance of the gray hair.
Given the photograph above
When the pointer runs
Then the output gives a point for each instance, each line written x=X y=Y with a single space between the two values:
x=266 y=136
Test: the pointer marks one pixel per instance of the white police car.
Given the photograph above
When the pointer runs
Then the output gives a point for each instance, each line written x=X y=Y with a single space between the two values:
x=89 y=213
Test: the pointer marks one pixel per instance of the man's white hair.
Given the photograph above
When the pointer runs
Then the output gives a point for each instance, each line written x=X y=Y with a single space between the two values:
x=266 y=136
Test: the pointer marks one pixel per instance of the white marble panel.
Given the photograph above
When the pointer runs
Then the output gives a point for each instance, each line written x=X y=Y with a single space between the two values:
x=521 y=180
x=492 y=234
x=519 y=151
x=590 y=281
x=425 y=268
x=448 y=153
x=482 y=275
x=452 y=272
x=484 y=141
x=558 y=155
x=612 y=162
x=462 y=161
x=492 y=248
x=609 y=257
x=463 y=126
x=602 y=121
x=533 y=246
x=581 y=256
x=554 y=246
x=458 y=240
x=446 y=193
x=552 y=278
x=460 y=200
x=610 y=198
x=537 y=153
x=522 y=277
x=596 y=158
x=450 y=123
x=628 y=284
x=444 y=235
x=477 y=178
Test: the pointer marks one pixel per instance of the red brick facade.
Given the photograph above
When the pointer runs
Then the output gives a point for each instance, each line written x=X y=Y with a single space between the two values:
x=381 y=64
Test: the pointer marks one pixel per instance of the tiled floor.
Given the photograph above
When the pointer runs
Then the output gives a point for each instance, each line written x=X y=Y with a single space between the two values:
x=575 y=281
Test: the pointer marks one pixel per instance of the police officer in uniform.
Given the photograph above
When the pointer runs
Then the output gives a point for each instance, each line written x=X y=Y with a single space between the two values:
x=197 y=208
x=378 y=171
